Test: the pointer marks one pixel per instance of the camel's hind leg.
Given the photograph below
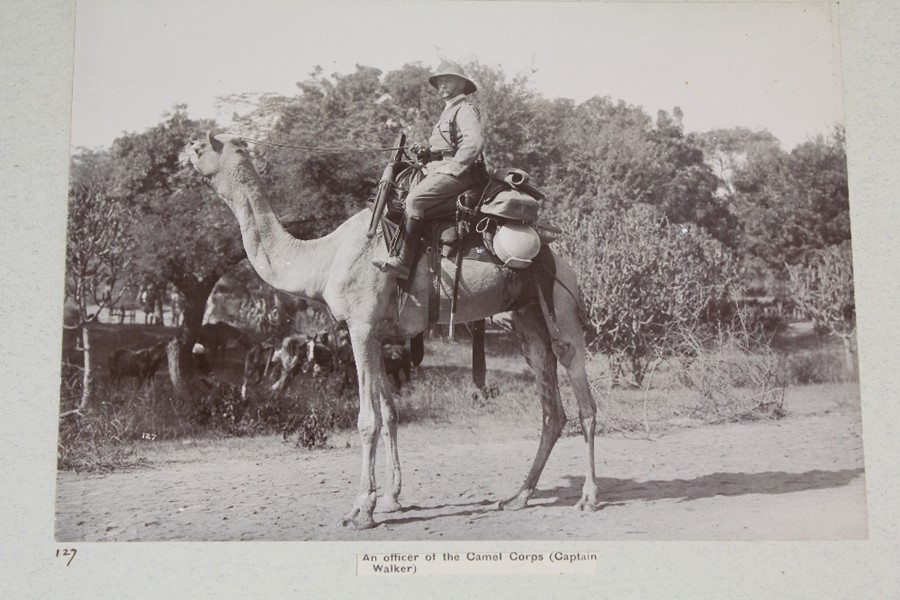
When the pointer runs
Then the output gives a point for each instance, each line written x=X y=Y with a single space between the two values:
x=389 y=501
x=569 y=346
x=536 y=345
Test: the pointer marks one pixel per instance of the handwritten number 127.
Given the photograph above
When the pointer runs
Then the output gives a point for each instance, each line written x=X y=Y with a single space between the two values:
x=70 y=552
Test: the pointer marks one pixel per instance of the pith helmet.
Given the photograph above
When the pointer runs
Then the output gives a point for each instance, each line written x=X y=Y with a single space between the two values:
x=448 y=67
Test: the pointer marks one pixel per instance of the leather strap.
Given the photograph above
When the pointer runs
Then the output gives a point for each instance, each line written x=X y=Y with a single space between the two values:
x=479 y=365
x=434 y=270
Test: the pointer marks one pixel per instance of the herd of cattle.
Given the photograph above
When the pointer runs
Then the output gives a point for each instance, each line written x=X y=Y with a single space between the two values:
x=278 y=362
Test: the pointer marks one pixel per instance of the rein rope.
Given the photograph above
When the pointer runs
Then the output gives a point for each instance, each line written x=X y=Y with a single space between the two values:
x=332 y=150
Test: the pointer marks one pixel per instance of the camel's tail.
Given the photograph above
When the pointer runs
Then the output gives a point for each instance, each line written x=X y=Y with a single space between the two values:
x=563 y=348
x=550 y=274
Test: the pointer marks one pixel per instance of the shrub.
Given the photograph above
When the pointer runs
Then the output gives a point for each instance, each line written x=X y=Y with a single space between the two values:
x=311 y=431
x=643 y=278
x=823 y=365
x=735 y=377
x=221 y=409
x=822 y=289
x=98 y=441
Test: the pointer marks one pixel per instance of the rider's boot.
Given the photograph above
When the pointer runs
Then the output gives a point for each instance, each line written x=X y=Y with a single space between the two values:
x=399 y=264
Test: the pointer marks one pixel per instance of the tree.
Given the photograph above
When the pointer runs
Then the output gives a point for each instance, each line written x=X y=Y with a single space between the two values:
x=506 y=108
x=686 y=190
x=98 y=250
x=823 y=290
x=181 y=233
x=614 y=156
x=726 y=151
x=791 y=204
x=336 y=114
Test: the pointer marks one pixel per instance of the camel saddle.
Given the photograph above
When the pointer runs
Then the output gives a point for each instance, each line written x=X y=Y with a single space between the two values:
x=506 y=196
x=466 y=229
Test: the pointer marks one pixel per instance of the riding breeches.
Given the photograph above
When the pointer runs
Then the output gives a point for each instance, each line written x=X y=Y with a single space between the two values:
x=435 y=196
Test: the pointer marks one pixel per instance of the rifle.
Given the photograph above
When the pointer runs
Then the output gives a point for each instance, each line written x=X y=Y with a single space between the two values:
x=386 y=184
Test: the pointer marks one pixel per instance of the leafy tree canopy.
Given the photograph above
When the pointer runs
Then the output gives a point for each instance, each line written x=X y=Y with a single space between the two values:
x=791 y=204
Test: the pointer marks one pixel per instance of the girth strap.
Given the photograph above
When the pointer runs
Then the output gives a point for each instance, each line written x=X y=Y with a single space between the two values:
x=433 y=254
x=479 y=365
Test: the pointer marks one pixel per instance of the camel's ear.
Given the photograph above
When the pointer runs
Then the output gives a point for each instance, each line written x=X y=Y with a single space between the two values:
x=213 y=142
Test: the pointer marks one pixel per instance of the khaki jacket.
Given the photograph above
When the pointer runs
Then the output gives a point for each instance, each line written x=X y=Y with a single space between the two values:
x=469 y=138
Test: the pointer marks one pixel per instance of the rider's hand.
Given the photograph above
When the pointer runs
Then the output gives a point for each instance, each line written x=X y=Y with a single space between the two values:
x=419 y=151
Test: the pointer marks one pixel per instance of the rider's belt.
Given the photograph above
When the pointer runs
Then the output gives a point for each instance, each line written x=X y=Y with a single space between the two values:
x=442 y=154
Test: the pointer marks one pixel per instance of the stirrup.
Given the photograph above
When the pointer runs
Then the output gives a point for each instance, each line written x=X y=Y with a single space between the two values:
x=393 y=266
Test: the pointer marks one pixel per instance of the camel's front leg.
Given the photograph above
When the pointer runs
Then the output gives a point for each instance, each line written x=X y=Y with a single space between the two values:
x=377 y=414
x=368 y=360
x=369 y=424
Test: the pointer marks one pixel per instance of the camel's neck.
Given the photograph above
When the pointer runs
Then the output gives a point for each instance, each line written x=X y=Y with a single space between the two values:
x=284 y=262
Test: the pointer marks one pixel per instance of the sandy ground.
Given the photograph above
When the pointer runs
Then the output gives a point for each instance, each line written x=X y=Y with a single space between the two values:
x=799 y=478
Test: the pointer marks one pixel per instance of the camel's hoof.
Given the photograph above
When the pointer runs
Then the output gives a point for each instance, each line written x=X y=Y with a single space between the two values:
x=354 y=523
x=514 y=503
x=588 y=502
x=387 y=504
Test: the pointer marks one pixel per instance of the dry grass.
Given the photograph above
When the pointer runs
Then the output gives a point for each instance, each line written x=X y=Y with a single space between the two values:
x=718 y=385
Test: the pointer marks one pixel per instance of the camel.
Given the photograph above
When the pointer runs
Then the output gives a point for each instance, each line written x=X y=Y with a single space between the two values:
x=337 y=269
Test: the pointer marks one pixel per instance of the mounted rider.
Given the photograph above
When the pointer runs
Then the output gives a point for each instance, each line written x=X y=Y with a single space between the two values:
x=453 y=163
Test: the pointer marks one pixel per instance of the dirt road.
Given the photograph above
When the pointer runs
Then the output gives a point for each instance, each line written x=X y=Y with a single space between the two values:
x=800 y=478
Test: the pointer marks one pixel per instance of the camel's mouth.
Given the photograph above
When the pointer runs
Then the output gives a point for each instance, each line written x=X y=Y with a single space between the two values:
x=188 y=156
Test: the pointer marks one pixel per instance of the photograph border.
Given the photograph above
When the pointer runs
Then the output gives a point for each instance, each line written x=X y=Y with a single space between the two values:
x=37 y=40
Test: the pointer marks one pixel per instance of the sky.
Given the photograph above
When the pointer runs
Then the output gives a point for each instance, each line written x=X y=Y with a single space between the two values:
x=761 y=66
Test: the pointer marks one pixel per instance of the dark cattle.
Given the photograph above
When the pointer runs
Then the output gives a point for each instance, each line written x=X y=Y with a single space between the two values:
x=319 y=357
x=258 y=362
x=396 y=358
x=343 y=352
x=216 y=337
x=322 y=337
x=201 y=362
x=343 y=358
x=141 y=364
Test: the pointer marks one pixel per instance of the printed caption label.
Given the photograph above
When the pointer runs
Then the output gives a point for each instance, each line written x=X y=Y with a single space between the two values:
x=477 y=563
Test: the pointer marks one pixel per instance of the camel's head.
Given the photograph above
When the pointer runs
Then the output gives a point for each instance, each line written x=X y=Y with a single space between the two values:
x=208 y=156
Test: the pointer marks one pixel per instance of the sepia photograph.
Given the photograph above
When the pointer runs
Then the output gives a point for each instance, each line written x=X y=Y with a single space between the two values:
x=311 y=293
x=606 y=267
